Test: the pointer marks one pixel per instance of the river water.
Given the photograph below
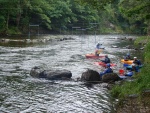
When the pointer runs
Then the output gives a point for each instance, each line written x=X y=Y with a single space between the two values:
x=20 y=93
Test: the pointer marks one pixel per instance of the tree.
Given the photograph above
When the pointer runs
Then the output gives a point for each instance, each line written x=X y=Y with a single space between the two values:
x=38 y=13
x=137 y=12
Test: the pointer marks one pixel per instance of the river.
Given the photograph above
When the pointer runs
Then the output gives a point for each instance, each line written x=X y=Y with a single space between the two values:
x=20 y=93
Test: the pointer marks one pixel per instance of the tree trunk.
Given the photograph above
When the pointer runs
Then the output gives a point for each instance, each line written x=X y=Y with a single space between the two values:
x=18 y=18
x=7 y=22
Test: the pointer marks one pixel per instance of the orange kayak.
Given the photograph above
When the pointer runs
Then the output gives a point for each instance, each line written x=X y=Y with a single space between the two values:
x=103 y=64
x=94 y=56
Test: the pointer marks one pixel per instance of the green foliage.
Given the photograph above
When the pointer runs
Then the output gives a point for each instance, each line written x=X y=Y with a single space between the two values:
x=137 y=13
x=50 y=14
x=13 y=30
x=97 y=4
x=112 y=15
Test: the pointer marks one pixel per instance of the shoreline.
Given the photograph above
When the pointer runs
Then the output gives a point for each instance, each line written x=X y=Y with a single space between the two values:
x=134 y=96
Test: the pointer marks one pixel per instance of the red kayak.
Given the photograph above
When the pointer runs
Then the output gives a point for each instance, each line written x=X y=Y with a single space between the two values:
x=94 y=56
x=103 y=64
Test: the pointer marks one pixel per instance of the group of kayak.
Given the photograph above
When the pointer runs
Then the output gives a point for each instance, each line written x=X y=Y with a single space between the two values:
x=129 y=65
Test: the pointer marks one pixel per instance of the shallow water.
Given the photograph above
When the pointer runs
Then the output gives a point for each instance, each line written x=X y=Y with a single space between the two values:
x=21 y=93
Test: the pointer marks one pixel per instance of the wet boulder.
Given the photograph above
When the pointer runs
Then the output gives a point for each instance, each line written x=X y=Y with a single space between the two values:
x=90 y=76
x=110 y=77
x=50 y=74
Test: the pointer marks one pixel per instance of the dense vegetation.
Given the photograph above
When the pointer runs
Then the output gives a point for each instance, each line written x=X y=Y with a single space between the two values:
x=107 y=16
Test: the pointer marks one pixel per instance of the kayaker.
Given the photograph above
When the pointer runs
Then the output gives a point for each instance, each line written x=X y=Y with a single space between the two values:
x=106 y=60
x=98 y=51
x=99 y=46
x=107 y=70
x=136 y=61
x=127 y=57
x=136 y=64
x=129 y=73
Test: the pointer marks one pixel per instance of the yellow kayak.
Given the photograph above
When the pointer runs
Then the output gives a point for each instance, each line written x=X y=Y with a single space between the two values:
x=126 y=61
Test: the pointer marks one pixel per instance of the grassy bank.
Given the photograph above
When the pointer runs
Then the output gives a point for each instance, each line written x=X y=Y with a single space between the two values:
x=142 y=79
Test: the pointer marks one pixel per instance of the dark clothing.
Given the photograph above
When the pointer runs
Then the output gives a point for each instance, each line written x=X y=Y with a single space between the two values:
x=127 y=57
x=106 y=60
x=137 y=65
x=98 y=46
x=137 y=62
x=107 y=70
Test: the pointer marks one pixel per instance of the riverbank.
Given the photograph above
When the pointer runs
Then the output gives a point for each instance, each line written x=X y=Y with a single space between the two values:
x=134 y=96
x=16 y=41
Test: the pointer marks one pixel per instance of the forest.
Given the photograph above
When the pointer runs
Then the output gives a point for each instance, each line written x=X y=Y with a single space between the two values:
x=55 y=16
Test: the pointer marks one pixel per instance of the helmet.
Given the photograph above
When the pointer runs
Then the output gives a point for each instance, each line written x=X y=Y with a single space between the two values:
x=108 y=65
x=135 y=57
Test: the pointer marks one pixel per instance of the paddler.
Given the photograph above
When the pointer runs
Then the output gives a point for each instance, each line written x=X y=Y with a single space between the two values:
x=99 y=46
x=97 y=52
x=136 y=64
x=99 y=49
x=107 y=70
x=127 y=57
x=106 y=60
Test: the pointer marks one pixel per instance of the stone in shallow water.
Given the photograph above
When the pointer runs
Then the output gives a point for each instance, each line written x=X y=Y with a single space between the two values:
x=50 y=74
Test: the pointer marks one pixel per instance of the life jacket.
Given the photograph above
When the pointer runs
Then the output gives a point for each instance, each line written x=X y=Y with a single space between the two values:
x=107 y=60
x=98 y=51
x=137 y=62
x=109 y=70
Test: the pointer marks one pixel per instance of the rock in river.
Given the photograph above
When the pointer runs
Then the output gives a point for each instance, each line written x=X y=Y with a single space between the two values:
x=38 y=72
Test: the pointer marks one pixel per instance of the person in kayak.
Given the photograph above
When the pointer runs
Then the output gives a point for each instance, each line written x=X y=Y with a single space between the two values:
x=107 y=70
x=136 y=64
x=97 y=52
x=129 y=72
x=106 y=60
x=127 y=57
x=98 y=49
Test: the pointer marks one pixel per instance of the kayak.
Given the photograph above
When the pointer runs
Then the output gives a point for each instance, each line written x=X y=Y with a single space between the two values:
x=130 y=66
x=126 y=65
x=94 y=56
x=103 y=64
x=122 y=77
x=126 y=61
